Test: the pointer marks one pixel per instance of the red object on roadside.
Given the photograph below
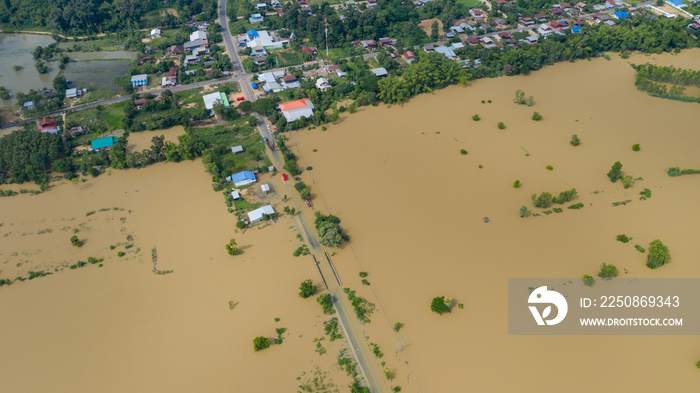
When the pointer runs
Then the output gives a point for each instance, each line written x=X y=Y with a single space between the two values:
x=284 y=177
x=240 y=99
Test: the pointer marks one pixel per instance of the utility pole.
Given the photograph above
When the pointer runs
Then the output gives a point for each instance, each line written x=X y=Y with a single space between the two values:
x=327 y=61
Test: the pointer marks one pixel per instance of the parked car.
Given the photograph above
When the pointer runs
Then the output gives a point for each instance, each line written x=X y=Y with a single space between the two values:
x=240 y=98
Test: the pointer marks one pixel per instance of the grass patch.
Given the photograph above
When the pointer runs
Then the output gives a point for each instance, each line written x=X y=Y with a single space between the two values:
x=639 y=248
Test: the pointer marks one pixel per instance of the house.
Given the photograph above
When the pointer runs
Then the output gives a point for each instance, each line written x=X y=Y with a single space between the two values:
x=29 y=105
x=450 y=35
x=409 y=56
x=541 y=17
x=386 y=41
x=289 y=79
x=380 y=72
x=477 y=13
x=155 y=33
x=488 y=43
x=504 y=35
x=457 y=29
x=322 y=84
x=263 y=38
x=237 y=149
x=498 y=22
x=293 y=110
x=265 y=188
x=198 y=35
x=203 y=26
x=545 y=30
x=620 y=15
x=257 y=214
x=556 y=11
x=341 y=74
x=428 y=48
x=103 y=143
x=445 y=51
x=618 y=3
x=174 y=50
x=473 y=41
x=307 y=10
x=191 y=45
x=531 y=39
x=261 y=6
x=243 y=178
x=212 y=98
x=260 y=61
x=48 y=125
x=72 y=93
x=258 y=51
x=601 y=18
x=270 y=82
x=308 y=50
x=527 y=21
x=581 y=6
x=168 y=81
x=144 y=59
x=565 y=6
x=139 y=80
x=333 y=68
x=576 y=29
x=191 y=59
x=172 y=71
x=255 y=18
x=677 y=3
x=235 y=195
x=368 y=44
x=371 y=3
x=139 y=102
x=695 y=26
x=77 y=130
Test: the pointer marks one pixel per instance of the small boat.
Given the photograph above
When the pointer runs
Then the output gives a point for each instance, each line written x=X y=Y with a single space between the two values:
x=308 y=203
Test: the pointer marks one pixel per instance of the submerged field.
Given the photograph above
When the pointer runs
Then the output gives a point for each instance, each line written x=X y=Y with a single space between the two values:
x=413 y=207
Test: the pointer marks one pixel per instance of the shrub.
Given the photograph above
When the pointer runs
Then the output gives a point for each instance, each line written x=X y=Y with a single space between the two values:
x=523 y=211
x=543 y=201
x=635 y=147
x=576 y=206
x=326 y=303
x=480 y=166
x=627 y=181
x=607 y=271
x=375 y=349
x=307 y=289
x=476 y=118
x=516 y=184
x=75 y=241
x=646 y=193
x=639 y=248
x=300 y=185
x=439 y=305
x=658 y=254
x=574 y=140
x=501 y=125
x=565 y=196
x=240 y=224
x=305 y=194
x=697 y=364
x=615 y=172
x=398 y=326
x=536 y=116
x=549 y=167
x=260 y=343
x=301 y=250
x=588 y=280
x=363 y=274
x=232 y=248
x=463 y=152
x=623 y=238
x=120 y=254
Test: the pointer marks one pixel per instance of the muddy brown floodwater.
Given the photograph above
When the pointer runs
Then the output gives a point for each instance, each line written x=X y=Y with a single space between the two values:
x=413 y=207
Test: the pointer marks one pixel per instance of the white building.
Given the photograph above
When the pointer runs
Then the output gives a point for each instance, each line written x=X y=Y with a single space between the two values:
x=263 y=39
x=322 y=84
x=198 y=35
x=380 y=72
x=155 y=33
x=257 y=214
x=446 y=51
x=265 y=188
x=293 y=110
x=72 y=93
x=237 y=149
x=211 y=99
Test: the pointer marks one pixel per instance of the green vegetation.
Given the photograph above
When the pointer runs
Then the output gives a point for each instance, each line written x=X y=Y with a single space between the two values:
x=301 y=250
x=588 y=280
x=635 y=147
x=440 y=305
x=615 y=172
x=639 y=248
x=523 y=211
x=364 y=274
x=365 y=282
x=363 y=308
x=75 y=241
x=398 y=326
x=120 y=253
x=29 y=155
x=232 y=247
x=4 y=94
x=653 y=79
x=331 y=328
x=307 y=289
x=280 y=332
x=543 y=201
x=521 y=100
x=623 y=238
x=516 y=184
x=501 y=125
x=326 y=302
x=697 y=364
x=536 y=116
x=574 y=140
x=676 y=171
x=627 y=181
x=576 y=206
x=260 y=343
x=549 y=167
x=658 y=254
x=557 y=209
x=329 y=230
x=476 y=117
x=375 y=349
x=463 y=152
x=607 y=271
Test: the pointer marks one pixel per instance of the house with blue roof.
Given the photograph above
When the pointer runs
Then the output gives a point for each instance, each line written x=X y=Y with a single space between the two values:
x=576 y=29
x=243 y=178
x=103 y=143
x=620 y=15
x=677 y=3
x=139 y=80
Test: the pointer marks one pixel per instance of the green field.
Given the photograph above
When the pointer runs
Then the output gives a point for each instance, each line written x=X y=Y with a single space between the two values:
x=470 y=3
x=107 y=117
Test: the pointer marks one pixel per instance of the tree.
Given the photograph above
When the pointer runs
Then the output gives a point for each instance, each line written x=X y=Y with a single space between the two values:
x=232 y=248
x=516 y=184
x=658 y=254
x=476 y=118
x=260 y=343
x=439 y=305
x=60 y=84
x=41 y=67
x=574 y=140
x=543 y=201
x=240 y=224
x=536 y=116
x=307 y=289
x=398 y=326
x=434 y=31
x=627 y=181
x=501 y=125
x=305 y=194
x=607 y=271
x=326 y=302
x=75 y=241
x=615 y=172
x=635 y=147
x=523 y=211
x=588 y=280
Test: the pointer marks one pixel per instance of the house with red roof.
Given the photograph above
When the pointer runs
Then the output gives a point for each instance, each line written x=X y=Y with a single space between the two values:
x=48 y=125
x=294 y=110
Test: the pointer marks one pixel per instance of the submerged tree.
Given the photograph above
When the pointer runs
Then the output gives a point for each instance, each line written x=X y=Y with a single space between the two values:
x=615 y=172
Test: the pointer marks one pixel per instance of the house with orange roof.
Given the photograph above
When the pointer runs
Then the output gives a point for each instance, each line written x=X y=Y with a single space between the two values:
x=294 y=110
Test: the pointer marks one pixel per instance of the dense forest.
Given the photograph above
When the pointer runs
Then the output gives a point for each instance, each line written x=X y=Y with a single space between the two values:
x=654 y=79
x=96 y=16
x=24 y=155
